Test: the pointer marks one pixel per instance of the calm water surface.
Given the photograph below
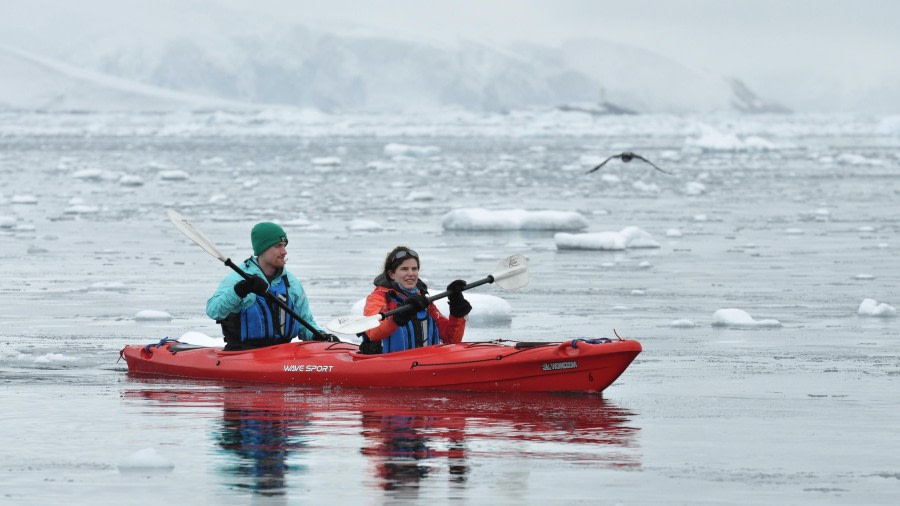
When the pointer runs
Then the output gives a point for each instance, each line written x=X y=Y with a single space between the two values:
x=805 y=413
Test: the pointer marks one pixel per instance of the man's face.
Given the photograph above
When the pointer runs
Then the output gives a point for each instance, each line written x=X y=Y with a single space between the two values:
x=275 y=256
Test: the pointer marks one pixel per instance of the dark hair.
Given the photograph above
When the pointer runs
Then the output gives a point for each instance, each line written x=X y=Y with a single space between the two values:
x=397 y=256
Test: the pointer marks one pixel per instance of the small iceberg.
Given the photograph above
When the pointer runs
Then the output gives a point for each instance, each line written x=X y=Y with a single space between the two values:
x=487 y=310
x=149 y=315
x=628 y=237
x=24 y=199
x=732 y=317
x=512 y=219
x=871 y=307
x=54 y=357
x=396 y=149
x=108 y=286
x=132 y=181
x=326 y=161
x=144 y=460
x=201 y=339
x=364 y=226
x=173 y=175
x=682 y=323
x=694 y=188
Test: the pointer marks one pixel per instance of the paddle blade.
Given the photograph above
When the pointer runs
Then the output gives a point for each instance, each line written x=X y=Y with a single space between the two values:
x=187 y=228
x=353 y=324
x=511 y=273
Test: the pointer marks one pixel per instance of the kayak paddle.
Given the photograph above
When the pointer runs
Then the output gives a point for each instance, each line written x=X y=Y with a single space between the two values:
x=190 y=231
x=511 y=273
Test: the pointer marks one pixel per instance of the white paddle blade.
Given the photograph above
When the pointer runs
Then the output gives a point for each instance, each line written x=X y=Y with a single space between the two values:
x=512 y=272
x=353 y=324
x=187 y=228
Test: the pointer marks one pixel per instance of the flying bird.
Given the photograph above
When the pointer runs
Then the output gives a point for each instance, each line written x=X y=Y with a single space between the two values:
x=627 y=157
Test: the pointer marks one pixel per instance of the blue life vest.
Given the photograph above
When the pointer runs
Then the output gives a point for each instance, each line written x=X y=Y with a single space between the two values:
x=263 y=323
x=421 y=330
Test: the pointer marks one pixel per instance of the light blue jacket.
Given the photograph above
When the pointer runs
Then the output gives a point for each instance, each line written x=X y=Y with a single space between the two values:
x=225 y=301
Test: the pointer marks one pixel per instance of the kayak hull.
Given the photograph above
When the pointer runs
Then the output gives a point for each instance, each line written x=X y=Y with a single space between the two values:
x=570 y=366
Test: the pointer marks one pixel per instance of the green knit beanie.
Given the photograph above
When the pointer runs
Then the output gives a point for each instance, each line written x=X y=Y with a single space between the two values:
x=265 y=235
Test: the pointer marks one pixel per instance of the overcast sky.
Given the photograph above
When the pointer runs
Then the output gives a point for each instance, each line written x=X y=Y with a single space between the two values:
x=790 y=49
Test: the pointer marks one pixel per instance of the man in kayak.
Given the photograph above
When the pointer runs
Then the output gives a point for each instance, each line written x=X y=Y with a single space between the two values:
x=249 y=318
x=423 y=325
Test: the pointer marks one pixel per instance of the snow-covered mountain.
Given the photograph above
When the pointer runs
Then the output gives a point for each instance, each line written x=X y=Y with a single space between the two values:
x=335 y=72
x=34 y=82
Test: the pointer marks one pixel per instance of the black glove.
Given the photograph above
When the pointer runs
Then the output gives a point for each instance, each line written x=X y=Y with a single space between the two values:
x=417 y=303
x=326 y=337
x=255 y=285
x=459 y=306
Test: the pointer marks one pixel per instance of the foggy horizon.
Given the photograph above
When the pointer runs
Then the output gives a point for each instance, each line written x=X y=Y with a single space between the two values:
x=809 y=56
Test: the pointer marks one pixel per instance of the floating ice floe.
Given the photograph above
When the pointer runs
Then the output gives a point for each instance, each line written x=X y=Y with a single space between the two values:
x=628 y=237
x=864 y=277
x=173 y=175
x=7 y=222
x=694 y=188
x=395 y=149
x=487 y=310
x=682 y=323
x=364 y=226
x=711 y=139
x=88 y=174
x=36 y=250
x=201 y=339
x=24 y=199
x=512 y=219
x=301 y=222
x=855 y=159
x=54 y=357
x=326 y=161
x=152 y=315
x=673 y=232
x=732 y=317
x=128 y=180
x=871 y=307
x=108 y=286
x=81 y=209
x=420 y=196
x=793 y=231
x=144 y=460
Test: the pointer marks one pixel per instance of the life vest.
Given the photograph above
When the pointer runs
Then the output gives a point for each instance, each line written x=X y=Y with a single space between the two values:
x=263 y=323
x=421 y=330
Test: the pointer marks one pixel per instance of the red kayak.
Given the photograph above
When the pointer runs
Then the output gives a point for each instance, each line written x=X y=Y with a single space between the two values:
x=577 y=365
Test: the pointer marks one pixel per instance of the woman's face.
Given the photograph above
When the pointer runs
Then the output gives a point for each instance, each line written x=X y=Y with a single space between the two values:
x=406 y=274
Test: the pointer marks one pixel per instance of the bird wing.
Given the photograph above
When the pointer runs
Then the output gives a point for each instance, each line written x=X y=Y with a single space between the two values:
x=639 y=157
x=603 y=163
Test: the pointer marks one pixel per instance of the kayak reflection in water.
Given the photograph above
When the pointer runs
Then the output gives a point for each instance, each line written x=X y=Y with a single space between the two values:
x=423 y=325
x=261 y=436
x=404 y=448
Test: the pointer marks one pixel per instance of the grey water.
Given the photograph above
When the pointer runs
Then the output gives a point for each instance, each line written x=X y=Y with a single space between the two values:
x=800 y=230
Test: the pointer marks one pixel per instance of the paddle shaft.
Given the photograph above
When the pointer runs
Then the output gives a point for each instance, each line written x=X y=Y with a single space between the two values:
x=407 y=307
x=282 y=304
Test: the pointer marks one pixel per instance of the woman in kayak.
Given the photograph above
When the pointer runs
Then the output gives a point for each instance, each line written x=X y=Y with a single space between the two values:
x=423 y=324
